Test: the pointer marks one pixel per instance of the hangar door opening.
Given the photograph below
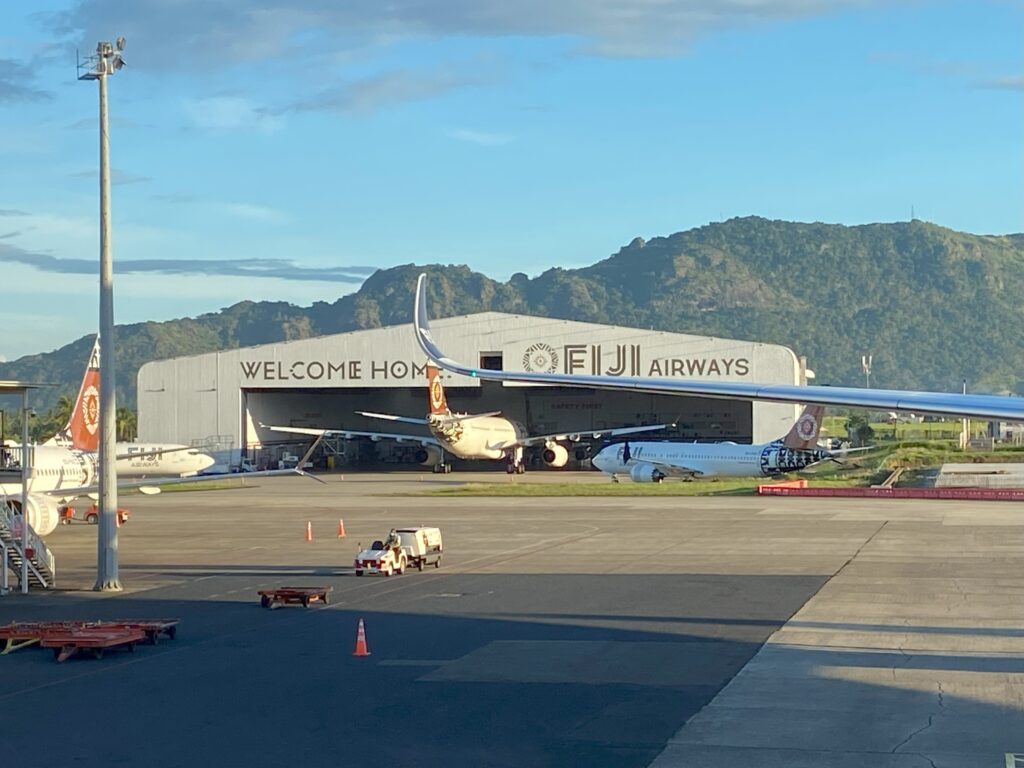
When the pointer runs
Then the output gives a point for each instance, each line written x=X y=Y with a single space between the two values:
x=540 y=410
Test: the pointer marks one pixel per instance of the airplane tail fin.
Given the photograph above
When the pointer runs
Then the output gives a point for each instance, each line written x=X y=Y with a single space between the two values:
x=438 y=402
x=804 y=433
x=82 y=430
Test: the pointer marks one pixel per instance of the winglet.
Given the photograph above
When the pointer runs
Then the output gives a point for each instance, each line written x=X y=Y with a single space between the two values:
x=422 y=326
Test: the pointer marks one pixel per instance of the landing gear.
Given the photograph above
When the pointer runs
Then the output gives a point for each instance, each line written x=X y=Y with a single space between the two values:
x=615 y=478
x=516 y=464
x=442 y=469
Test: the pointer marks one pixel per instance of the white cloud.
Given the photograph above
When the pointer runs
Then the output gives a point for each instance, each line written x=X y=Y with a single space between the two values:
x=230 y=113
x=482 y=138
x=1006 y=83
x=207 y=34
x=255 y=212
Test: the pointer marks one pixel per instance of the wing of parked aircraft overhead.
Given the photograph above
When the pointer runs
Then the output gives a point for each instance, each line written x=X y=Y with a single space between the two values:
x=576 y=436
x=980 y=406
x=349 y=433
x=151 y=485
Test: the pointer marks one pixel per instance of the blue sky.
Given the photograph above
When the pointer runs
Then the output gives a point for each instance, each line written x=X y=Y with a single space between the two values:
x=273 y=149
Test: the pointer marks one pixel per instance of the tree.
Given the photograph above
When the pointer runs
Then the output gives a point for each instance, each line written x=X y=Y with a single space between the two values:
x=127 y=424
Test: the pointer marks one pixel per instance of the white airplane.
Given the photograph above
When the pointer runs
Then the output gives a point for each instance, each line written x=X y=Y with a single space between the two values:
x=980 y=406
x=652 y=462
x=133 y=459
x=58 y=474
x=471 y=436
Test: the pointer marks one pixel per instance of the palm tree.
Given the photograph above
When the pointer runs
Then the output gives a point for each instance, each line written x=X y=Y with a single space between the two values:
x=61 y=412
x=127 y=424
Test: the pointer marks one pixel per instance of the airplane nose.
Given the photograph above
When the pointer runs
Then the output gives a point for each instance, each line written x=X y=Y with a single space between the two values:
x=600 y=460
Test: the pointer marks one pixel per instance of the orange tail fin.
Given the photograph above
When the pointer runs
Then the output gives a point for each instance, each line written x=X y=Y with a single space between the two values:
x=804 y=433
x=82 y=430
x=438 y=402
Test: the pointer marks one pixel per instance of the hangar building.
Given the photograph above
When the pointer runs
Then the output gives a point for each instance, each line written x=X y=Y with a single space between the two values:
x=219 y=400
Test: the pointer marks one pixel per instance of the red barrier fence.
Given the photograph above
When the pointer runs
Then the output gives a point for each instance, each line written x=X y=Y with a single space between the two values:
x=963 y=494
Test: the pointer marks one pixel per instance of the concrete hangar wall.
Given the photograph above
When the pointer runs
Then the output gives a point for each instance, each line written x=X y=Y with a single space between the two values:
x=222 y=397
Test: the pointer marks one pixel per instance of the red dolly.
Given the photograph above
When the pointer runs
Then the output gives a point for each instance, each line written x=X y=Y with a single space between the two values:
x=286 y=595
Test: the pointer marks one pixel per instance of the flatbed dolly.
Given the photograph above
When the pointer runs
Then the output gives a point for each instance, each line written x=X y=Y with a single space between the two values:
x=21 y=634
x=97 y=639
x=291 y=595
x=152 y=627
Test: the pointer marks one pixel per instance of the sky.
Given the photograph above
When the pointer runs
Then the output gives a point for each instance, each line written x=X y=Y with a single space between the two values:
x=285 y=149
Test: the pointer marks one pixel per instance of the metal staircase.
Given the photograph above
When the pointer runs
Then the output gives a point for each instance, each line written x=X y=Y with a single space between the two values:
x=42 y=567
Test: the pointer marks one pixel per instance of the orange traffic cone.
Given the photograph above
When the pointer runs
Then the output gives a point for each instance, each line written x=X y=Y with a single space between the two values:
x=309 y=531
x=361 y=649
x=341 y=528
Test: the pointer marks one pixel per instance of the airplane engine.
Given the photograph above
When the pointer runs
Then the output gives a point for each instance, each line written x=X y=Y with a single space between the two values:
x=43 y=512
x=645 y=473
x=555 y=455
x=428 y=456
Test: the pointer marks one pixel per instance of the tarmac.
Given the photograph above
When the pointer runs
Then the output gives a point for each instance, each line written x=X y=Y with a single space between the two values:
x=665 y=631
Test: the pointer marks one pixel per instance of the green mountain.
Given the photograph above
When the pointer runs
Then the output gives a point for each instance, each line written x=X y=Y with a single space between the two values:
x=933 y=306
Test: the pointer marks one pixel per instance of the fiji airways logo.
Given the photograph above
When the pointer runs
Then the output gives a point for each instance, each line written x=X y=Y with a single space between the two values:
x=807 y=427
x=91 y=409
x=540 y=358
x=436 y=394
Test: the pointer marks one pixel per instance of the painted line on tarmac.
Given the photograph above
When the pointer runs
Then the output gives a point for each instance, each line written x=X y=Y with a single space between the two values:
x=297 y=616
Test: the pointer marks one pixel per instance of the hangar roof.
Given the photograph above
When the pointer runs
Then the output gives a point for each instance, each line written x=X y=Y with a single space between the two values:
x=389 y=356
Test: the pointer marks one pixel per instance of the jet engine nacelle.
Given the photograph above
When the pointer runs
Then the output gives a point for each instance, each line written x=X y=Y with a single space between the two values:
x=428 y=456
x=646 y=473
x=43 y=513
x=555 y=455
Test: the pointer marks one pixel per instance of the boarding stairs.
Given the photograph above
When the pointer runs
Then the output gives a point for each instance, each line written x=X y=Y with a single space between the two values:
x=42 y=567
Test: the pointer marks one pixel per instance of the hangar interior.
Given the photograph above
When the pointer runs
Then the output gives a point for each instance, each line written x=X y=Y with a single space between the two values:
x=542 y=410
x=219 y=400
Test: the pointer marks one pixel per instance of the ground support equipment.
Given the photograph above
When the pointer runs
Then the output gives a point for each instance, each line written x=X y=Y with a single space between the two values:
x=286 y=595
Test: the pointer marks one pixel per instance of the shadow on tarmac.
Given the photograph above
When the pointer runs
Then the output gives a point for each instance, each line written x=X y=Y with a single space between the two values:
x=246 y=686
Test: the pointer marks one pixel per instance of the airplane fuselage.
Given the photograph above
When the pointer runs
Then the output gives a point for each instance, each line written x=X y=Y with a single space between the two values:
x=710 y=459
x=152 y=463
x=53 y=467
x=476 y=437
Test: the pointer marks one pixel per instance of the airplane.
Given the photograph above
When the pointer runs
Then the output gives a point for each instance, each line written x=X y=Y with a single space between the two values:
x=993 y=407
x=59 y=474
x=471 y=436
x=652 y=462
x=133 y=459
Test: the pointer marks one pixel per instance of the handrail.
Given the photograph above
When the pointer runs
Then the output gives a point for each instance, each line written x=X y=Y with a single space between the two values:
x=42 y=554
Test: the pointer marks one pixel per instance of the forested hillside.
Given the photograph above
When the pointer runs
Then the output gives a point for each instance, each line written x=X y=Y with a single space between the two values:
x=933 y=306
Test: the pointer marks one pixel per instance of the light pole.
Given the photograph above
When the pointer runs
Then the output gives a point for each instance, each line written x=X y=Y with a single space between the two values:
x=865 y=361
x=107 y=61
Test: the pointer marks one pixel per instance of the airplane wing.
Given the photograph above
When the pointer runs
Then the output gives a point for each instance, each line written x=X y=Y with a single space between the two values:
x=151 y=486
x=673 y=470
x=350 y=433
x=946 y=403
x=390 y=417
x=577 y=436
